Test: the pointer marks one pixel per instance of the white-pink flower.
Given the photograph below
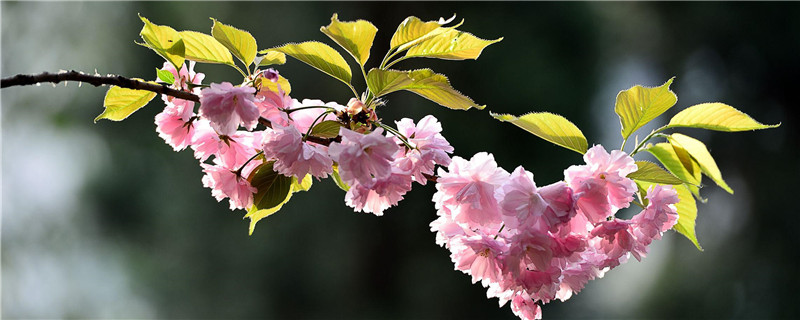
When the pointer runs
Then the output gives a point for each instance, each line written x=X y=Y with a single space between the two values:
x=175 y=131
x=480 y=256
x=363 y=158
x=382 y=195
x=295 y=157
x=525 y=308
x=659 y=216
x=227 y=106
x=601 y=186
x=231 y=150
x=224 y=183
x=431 y=147
x=183 y=78
x=468 y=190
x=522 y=206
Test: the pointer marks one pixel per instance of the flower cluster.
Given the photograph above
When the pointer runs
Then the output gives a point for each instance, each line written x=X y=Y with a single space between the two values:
x=530 y=245
x=378 y=165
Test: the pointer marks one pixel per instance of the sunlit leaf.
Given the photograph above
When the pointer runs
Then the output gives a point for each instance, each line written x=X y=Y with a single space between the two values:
x=165 y=41
x=424 y=82
x=320 y=56
x=272 y=186
x=302 y=185
x=241 y=43
x=716 y=116
x=326 y=129
x=687 y=212
x=355 y=37
x=201 y=47
x=551 y=127
x=122 y=102
x=413 y=31
x=271 y=58
x=255 y=214
x=273 y=86
x=699 y=152
x=684 y=168
x=638 y=105
x=165 y=76
x=451 y=45
x=652 y=172
x=338 y=179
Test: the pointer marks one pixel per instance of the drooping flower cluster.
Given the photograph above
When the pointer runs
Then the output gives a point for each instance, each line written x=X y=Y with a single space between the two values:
x=526 y=244
x=530 y=245
x=377 y=166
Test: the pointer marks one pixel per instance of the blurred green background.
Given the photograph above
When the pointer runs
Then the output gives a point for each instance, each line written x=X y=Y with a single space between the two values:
x=105 y=221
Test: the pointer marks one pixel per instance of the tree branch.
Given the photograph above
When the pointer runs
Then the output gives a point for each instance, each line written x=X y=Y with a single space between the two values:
x=96 y=80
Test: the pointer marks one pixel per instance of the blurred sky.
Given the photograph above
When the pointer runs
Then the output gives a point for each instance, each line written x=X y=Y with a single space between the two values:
x=105 y=221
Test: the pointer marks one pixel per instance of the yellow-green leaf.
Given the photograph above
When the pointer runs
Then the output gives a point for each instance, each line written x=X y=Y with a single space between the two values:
x=676 y=162
x=320 y=56
x=302 y=185
x=687 y=215
x=451 y=45
x=241 y=43
x=272 y=57
x=551 y=127
x=255 y=214
x=201 y=47
x=122 y=102
x=638 y=105
x=165 y=41
x=716 y=116
x=687 y=211
x=271 y=186
x=412 y=31
x=652 y=172
x=381 y=82
x=355 y=37
x=273 y=86
x=338 y=179
x=699 y=152
x=326 y=129
x=424 y=82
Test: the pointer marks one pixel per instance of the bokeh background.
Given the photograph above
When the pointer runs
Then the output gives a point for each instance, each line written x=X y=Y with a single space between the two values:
x=105 y=221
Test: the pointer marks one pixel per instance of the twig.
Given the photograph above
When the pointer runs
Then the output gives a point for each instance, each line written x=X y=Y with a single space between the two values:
x=96 y=80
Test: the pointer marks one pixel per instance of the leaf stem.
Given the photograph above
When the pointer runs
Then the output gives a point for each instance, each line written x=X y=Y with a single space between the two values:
x=308 y=133
x=498 y=231
x=239 y=171
x=308 y=107
x=647 y=138
x=397 y=134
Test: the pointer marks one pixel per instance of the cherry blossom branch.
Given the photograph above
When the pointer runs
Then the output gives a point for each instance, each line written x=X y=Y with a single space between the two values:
x=96 y=80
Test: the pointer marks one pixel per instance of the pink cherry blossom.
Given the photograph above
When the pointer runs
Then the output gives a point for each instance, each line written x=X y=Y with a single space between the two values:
x=232 y=151
x=302 y=119
x=383 y=194
x=227 y=106
x=183 y=78
x=176 y=131
x=601 y=185
x=294 y=157
x=522 y=206
x=659 y=216
x=468 y=190
x=363 y=158
x=431 y=147
x=225 y=183
x=480 y=256
x=525 y=308
x=616 y=240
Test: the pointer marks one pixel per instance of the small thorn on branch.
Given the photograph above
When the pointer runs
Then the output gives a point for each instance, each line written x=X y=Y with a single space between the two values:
x=95 y=80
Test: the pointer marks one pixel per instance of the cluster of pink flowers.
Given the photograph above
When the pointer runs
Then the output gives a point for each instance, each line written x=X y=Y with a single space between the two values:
x=526 y=244
x=530 y=245
x=379 y=167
